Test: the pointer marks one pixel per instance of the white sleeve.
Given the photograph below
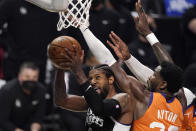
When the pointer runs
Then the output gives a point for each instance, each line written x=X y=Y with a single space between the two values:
x=140 y=71
x=189 y=95
x=101 y=53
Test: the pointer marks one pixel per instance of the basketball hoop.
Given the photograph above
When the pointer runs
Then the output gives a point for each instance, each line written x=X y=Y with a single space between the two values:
x=71 y=12
x=77 y=13
x=51 y=5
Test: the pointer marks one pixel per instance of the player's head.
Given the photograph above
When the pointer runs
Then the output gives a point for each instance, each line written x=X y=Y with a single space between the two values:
x=101 y=77
x=168 y=77
x=28 y=77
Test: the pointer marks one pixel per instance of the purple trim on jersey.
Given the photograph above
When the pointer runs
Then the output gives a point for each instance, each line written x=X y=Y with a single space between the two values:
x=182 y=108
x=124 y=124
x=119 y=122
x=151 y=98
x=189 y=106
x=168 y=101
x=194 y=112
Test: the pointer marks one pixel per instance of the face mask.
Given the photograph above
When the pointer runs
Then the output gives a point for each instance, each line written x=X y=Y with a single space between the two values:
x=29 y=85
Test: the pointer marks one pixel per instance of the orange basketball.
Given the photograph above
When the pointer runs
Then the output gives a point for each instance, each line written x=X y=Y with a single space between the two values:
x=56 y=50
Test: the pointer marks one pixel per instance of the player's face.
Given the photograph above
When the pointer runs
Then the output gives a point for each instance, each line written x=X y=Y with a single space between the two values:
x=155 y=80
x=99 y=81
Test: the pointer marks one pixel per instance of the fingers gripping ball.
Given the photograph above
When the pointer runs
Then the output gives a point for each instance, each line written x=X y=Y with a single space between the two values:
x=61 y=49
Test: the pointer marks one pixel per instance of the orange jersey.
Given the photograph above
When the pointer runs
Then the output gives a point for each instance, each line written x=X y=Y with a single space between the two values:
x=161 y=115
x=190 y=118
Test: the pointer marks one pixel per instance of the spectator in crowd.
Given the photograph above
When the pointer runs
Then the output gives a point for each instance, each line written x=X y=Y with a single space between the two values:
x=189 y=30
x=126 y=22
x=168 y=7
x=26 y=30
x=22 y=101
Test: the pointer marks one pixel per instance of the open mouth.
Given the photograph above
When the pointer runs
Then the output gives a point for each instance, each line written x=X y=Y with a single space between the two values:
x=98 y=90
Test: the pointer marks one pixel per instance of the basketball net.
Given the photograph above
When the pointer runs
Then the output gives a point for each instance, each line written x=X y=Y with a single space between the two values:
x=77 y=13
x=71 y=12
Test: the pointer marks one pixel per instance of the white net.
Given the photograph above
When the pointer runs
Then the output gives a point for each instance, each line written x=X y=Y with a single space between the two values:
x=77 y=13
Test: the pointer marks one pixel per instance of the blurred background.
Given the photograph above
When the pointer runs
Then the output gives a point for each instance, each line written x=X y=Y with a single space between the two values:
x=26 y=30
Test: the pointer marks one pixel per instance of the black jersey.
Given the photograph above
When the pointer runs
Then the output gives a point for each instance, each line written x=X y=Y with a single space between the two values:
x=98 y=123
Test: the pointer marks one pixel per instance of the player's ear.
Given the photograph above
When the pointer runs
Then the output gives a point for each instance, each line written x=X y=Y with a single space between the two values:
x=163 y=85
x=111 y=80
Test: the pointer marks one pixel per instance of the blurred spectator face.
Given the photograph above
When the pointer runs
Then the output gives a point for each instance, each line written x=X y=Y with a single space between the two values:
x=28 y=74
x=28 y=79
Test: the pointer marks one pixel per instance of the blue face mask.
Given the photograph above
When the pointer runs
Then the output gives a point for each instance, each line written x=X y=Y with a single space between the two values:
x=30 y=85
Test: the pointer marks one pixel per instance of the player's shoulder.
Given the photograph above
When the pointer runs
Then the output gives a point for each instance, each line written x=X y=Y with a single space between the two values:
x=121 y=95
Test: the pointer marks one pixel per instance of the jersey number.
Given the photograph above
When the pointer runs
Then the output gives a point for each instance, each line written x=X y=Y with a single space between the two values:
x=162 y=127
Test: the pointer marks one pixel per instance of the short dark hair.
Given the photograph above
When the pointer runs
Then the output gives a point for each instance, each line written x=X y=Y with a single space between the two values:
x=29 y=65
x=173 y=75
x=108 y=72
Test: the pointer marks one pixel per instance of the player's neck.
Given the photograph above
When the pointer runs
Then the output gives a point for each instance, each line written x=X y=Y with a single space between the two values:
x=168 y=95
x=111 y=92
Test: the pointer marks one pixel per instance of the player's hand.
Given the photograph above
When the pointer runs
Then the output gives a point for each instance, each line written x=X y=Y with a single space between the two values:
x=74 y=60
x=141 y=22
x=119 y=47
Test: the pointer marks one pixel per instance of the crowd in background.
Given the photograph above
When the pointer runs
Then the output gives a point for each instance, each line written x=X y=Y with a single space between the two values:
x=26 y=30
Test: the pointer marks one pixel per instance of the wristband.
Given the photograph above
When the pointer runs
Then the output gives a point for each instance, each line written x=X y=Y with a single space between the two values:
x=85 y=86
x=152 y=39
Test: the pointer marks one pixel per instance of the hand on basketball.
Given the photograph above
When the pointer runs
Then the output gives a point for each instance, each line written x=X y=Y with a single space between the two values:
x=119 y=47
x=141 y=22
x=74 y=60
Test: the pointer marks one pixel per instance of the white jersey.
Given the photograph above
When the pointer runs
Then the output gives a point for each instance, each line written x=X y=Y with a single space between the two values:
x=120 y=127
x=189 y=95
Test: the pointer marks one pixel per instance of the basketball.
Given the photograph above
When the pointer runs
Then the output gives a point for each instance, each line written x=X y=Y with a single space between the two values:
x=57 y=52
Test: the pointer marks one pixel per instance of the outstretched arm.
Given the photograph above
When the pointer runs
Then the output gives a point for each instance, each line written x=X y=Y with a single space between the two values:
x=142 y=27
x=141 y=71
x=102 y=54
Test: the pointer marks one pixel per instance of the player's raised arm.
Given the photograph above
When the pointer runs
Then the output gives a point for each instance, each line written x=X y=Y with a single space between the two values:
x=128 y=83
x=142 y=27
x=141 y=71
x=160 y=52
x=102 y=54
